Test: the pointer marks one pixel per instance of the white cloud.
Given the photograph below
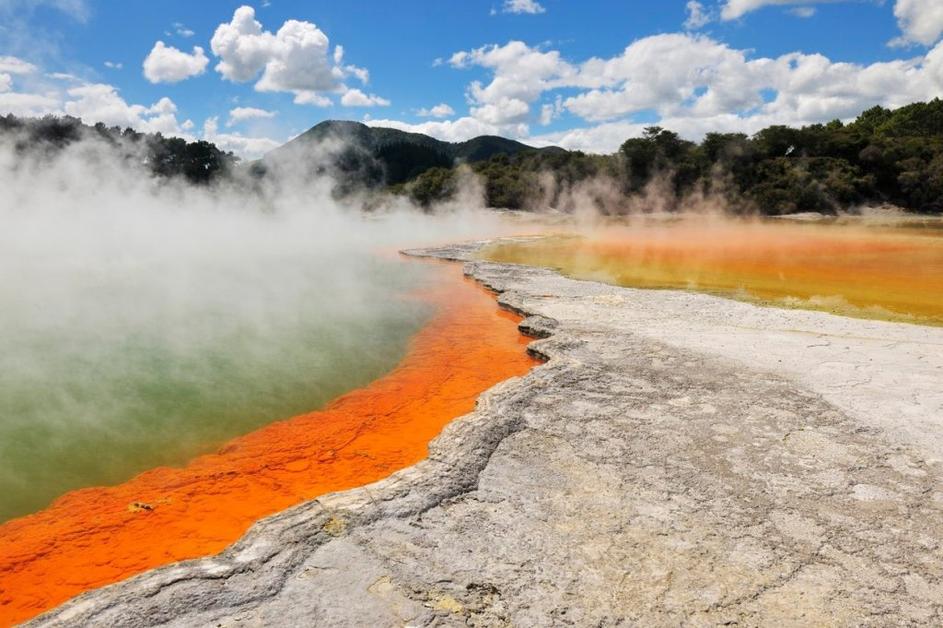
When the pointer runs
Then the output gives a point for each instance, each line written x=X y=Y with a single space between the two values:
x=734 y=9
x=451 y=130
x=441 y=110
x=92 y=102
x=520 y=75
x=698 y=16
x=603 y=138
x=242 y=46
x=77 y=9
x=803 y=12
x=15 y=65
x=551 y=111
x=241 y=114
x=531 y=7
x=182 y=30
x=921 y=21
x=356 y=98
x=304 y=97
x=29 y=105
x=246 y=147
x=113 y=65
x=166 y=64
x=691 y=84
x=101 y=103
x=296 y=59
x=65 y=76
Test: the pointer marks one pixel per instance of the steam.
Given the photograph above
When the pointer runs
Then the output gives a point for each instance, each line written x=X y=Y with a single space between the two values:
x=146 y=320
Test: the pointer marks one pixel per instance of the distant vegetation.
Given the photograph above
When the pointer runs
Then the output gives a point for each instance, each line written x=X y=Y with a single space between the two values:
x=199 y=162
x=892 y=156
x=883 y=156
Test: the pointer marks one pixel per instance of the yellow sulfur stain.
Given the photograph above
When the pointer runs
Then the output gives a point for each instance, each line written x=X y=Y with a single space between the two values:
x=889 y=273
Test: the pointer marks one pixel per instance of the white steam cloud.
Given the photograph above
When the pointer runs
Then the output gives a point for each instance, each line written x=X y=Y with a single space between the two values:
x=146 y=318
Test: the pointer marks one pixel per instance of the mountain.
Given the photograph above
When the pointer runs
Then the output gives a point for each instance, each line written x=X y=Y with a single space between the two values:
x=375 y=156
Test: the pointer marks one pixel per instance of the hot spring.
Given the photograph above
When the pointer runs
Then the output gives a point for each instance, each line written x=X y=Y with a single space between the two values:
x=138 y=361
x=849 y=267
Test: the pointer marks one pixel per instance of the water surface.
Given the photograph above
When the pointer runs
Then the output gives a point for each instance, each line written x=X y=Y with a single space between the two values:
x=145 y=369
x=890 y=272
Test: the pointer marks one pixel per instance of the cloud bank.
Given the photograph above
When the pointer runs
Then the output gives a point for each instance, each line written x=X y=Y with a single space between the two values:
x=690 y=83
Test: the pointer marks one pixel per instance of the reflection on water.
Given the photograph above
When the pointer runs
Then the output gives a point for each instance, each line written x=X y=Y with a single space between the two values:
x=891 y=272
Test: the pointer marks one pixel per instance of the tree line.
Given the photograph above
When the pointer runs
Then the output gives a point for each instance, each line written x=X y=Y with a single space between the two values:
x=883 y=156
x=199 y=162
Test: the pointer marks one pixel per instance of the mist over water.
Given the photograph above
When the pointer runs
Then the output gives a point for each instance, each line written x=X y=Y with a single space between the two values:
x=146 y=321
x=853 y=266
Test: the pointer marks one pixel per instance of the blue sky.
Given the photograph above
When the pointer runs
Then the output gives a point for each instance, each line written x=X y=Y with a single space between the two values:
x=581 y=74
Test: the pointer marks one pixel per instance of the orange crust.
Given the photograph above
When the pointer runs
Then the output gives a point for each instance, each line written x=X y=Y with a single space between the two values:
x=97 y=536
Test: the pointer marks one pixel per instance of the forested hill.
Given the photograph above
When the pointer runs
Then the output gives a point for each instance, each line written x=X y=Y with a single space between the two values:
x=376 y=156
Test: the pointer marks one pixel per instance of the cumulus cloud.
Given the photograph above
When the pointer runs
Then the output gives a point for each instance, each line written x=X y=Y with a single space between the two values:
x=692 y=84
x=6 y=82
x=698 y=16
x=113 y=65
x=166 y=64
x=920 y=21
x=441 y=110
x=531 y=7
x=305 y=97
x=356 y=98
x=520 y=75
x=15 y=65
x=296 y=59
x=100 y=102
x=246 y=147
x=241 y=114
x=29 y=105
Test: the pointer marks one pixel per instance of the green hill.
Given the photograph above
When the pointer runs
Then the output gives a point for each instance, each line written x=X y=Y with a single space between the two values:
x=376 y=156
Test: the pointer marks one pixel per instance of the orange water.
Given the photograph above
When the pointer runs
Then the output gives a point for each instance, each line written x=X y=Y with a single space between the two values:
x=892 y=273
x=97 y=536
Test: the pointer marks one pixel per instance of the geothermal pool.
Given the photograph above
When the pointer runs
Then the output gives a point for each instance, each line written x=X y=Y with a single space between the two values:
x=96 y=536
x=868 y=271
x=95 y=390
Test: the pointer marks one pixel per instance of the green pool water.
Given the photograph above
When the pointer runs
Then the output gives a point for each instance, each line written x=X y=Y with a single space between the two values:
x=107 y=374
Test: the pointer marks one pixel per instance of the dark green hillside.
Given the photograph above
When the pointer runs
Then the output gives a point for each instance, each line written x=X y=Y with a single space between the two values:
x=375 y=156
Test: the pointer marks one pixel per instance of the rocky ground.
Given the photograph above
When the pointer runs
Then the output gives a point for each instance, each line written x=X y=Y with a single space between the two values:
x=678 y=475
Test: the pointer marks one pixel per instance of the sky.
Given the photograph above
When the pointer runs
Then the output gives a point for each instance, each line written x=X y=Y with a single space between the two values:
x=581 y=74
